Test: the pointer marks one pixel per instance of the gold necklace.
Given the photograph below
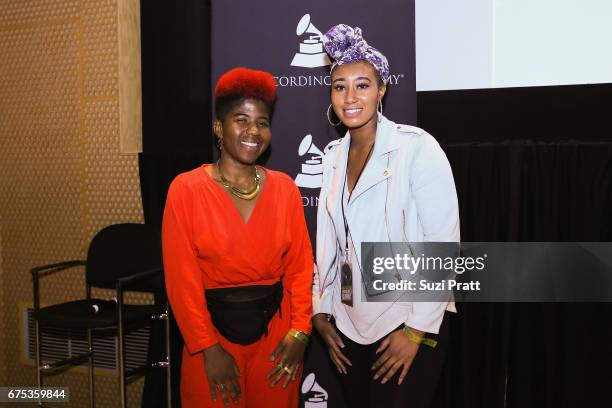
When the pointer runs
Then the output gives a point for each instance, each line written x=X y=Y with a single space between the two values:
x=235 y=191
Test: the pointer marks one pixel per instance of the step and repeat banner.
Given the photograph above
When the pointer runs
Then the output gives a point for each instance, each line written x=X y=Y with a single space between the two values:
x=285 y=38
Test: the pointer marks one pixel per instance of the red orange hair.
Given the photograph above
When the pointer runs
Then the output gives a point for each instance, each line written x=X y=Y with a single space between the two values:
x=247 y=83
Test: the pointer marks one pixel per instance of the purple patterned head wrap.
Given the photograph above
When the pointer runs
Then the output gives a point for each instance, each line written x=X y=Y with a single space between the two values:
x=345 y=45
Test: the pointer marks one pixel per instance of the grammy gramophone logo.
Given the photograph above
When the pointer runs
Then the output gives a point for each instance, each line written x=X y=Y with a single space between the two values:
x=311 y=52
x=315 y=396
x=311 y=175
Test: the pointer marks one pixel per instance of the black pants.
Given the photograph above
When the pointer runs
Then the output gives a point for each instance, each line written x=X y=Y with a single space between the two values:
x=361 y=391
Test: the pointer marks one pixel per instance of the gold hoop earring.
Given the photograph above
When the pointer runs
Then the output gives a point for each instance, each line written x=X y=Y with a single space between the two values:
x=220 y=143
x=379 y=110
x=329 y=120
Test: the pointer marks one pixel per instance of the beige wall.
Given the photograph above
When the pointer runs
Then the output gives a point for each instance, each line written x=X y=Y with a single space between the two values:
x=63 y=177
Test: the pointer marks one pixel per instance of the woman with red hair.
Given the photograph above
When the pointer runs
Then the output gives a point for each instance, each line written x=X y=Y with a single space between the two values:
x=238 y=261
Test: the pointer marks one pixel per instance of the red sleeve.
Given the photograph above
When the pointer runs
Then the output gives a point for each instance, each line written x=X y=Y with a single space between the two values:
x=183 y=275
x=299 y=265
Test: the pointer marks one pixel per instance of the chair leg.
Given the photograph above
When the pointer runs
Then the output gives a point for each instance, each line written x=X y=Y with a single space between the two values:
x=169 y=365
x=38 y=358
x=122 y=384
x=92 y=395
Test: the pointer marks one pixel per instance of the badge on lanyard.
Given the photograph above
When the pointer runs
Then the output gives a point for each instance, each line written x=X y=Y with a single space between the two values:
x=346 y=283
x=346 y=272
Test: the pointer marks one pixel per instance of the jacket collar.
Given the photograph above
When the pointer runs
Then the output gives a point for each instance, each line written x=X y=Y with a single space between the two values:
x=386 y=141
x=376 y=170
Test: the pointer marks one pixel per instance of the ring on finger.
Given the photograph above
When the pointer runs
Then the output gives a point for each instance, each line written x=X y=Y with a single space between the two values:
x=288 y=370
x=220 y=386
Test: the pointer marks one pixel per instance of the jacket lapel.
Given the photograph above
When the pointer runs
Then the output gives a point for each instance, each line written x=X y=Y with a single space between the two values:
x=334 y=197
x=376 y=170
x=338 y=167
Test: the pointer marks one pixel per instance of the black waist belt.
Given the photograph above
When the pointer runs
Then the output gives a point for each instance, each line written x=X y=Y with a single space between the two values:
x=242 y=314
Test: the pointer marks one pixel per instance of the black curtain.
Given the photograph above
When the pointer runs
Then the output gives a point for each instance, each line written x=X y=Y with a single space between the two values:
x=176 y=96
x=544 y=114
x=176 y=106
x=529 y=164
x=531 y=355
x=176 y=110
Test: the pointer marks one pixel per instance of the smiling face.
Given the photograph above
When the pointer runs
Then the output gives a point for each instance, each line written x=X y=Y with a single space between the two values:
x=355 y=92
x=245 y=130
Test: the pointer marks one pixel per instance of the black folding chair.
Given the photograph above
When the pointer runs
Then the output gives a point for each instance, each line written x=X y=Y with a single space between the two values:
x=121 y=257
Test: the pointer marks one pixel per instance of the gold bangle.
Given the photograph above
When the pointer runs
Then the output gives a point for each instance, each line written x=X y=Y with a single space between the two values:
x=300 y=335
x=415 y=338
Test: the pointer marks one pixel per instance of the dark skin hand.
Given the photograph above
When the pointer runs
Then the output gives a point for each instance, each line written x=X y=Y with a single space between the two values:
x=333 y=341
x=288 y=354
x=222 y=373
x=397 y=352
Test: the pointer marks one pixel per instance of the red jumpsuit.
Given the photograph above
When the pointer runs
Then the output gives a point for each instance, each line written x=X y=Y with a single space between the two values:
x=206 y=244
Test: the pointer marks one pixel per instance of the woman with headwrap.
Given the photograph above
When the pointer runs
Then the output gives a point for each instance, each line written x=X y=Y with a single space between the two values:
x=382 y=182
x=238 y=261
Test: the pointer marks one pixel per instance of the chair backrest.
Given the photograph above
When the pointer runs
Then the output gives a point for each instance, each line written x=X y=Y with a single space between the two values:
x=120 y=250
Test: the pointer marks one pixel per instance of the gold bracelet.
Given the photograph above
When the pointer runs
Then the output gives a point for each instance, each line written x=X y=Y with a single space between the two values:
x=300 y=335
x=415 y=338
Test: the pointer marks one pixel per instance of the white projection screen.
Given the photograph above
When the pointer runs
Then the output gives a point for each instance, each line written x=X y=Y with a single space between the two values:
x=469 y=44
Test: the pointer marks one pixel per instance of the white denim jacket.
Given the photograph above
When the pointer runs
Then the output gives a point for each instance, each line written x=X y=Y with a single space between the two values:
x=406 y=193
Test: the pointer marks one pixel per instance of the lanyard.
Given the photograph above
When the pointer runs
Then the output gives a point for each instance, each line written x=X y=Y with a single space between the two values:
x=346 y=226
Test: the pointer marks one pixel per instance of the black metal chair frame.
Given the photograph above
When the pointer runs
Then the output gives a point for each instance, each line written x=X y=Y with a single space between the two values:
x=122 y=284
